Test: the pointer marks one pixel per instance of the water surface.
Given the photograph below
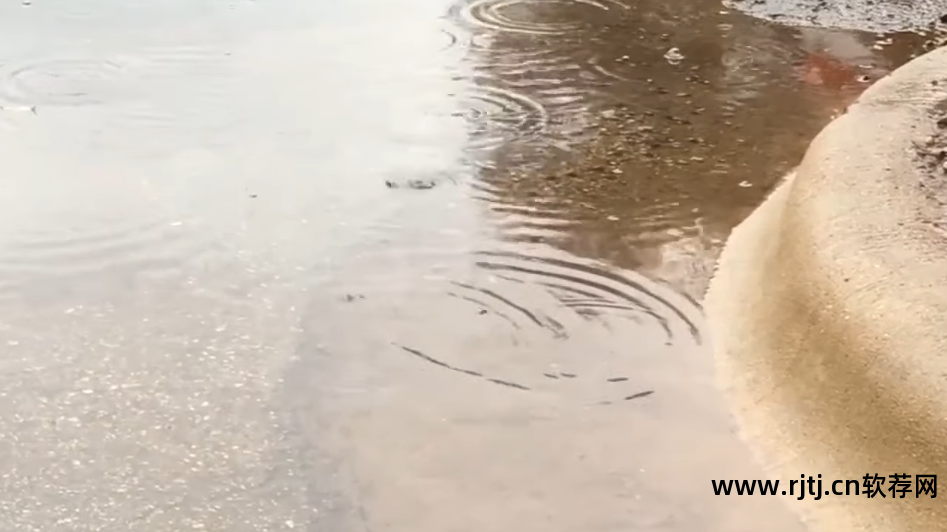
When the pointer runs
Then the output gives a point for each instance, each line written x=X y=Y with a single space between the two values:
x=404 y=266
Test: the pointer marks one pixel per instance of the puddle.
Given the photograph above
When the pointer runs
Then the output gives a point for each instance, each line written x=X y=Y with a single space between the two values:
x=385 y=265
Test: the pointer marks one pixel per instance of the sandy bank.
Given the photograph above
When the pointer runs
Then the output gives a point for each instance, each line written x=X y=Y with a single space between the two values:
x=829 y=312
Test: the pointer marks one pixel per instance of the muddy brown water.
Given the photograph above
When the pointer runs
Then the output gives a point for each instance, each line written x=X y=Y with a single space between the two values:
x=382 y=266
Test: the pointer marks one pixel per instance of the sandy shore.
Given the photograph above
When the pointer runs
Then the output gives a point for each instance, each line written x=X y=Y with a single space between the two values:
x=827 y=312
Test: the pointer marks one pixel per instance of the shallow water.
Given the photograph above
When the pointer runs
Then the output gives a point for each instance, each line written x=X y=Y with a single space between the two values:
x=399 y=265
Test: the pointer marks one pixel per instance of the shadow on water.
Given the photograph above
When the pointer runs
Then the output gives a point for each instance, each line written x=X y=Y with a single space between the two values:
x=400 y=266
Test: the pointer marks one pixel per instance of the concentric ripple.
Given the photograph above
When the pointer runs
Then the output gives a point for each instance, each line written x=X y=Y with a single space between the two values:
x=189 y=85
x=611 y=68
x=207 y=60
x=497 y=115
x=507 y=63
x=557 y=325
x=584 y=288
x=40 y=267
x=495 y=15
x=64 y=82
x=70 y=250
x=92 y=251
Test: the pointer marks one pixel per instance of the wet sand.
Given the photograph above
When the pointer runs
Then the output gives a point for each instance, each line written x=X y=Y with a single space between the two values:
x=397 y=266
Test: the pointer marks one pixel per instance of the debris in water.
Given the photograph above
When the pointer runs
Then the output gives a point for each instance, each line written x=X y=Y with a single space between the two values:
x=674 y=56
x=445 y=365
x=639 y=395
x=508 y=384
x=745 y=184
x=416 y=184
